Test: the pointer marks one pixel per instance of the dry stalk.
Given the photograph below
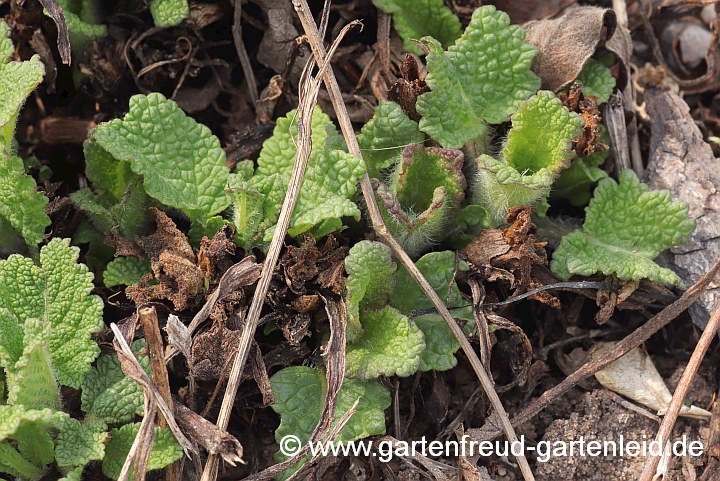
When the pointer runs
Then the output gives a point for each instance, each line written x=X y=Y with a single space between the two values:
x=308 y=98
x=683 y=386
x=316 y=43
x=242 y=53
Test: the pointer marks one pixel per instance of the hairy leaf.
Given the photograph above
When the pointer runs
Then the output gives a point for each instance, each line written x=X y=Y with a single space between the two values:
x=181 y=161
x=440 y=269
x=481 y=79
x=415 y=19
x=108 y=394
x=58 y=291
x=166 y=13
x=626 y=227
x=21 y=205
x=78 y=443
x=328 y=186
x=596 y=80
x=384 y=136
x=300 y=396
x=426 y=191
x=165 y=449
x=125 y=271
x=538 y=148
x=577 y=181
x=391 y=345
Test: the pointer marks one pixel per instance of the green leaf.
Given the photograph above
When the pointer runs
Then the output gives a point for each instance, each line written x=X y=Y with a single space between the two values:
x=426 y=190
x=481 y=79
x=300 y=396
x=596 y=80
x=383 y=137
x=16 y=417
x=181 y=161
x=165 y=449
x=58 y=291
x=79 y=443
x=538 y=148
x=167 y=13
x=440 y=269
x=576 y=182
x=31 y=381
x=390 y=345
x=209 y=228
x=74 y=475
x=82 y=19
x=17 y=81
x=21 y=205
x=626 y=227
x=125 y=271
x=108 y=394
x=414 y=19
x=11 y=339
x=16 y=465
x=371 y=279
x=328 y=186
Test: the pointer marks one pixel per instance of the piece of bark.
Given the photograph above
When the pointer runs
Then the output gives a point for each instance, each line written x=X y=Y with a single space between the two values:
x=682 y=162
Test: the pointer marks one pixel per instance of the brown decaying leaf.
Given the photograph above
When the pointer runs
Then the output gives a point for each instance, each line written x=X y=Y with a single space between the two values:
x=589 y=141
x=526 y=10
x=173 y=264
x=681 y=161
x=510 y=254
x=63 y=39
x=215 y=256
x=406 y=90
x=567 y=42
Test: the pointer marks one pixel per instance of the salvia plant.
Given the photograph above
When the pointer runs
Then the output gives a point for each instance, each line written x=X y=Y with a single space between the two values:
x=487 y=140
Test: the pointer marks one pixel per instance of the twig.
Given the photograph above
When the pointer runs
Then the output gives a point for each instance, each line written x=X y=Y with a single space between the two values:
x=712 y=468
x=153 y=340
x=316 y=43
x=633 y=340
x=304 y=140
x=242 y=53
x=681 y=390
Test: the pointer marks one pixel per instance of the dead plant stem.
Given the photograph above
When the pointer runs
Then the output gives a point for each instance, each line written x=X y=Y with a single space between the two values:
x=316 y=43
x=681 y=390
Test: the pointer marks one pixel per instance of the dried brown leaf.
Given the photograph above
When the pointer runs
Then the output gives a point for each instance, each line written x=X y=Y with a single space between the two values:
x=567 y=42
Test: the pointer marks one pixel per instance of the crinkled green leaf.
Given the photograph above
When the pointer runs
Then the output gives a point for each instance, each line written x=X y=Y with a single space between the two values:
x=328 y=186
x=107 y=174
x=383 y=137
x=125 y=271
x=74 y=475
x=626 y=226
x=58 y=291
x=165 y=449
x=78 y=443
x=127 y=216
x=35 y=443
x=597 y=80
x=414 y=19
x=371 y=279
x=11 y=338
x=21 y=205
x=108 y=394
x=31 y=381
x=16 y=465
x=17 y=79
x=390 y=345
x=166 y=13
x=440 y=269
x=538 y=148
x=181 y=161
x=300 y=396
x=6 y=45
x=426 y=190
x=576 y=182
x=15 y=417
x=481 y=79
